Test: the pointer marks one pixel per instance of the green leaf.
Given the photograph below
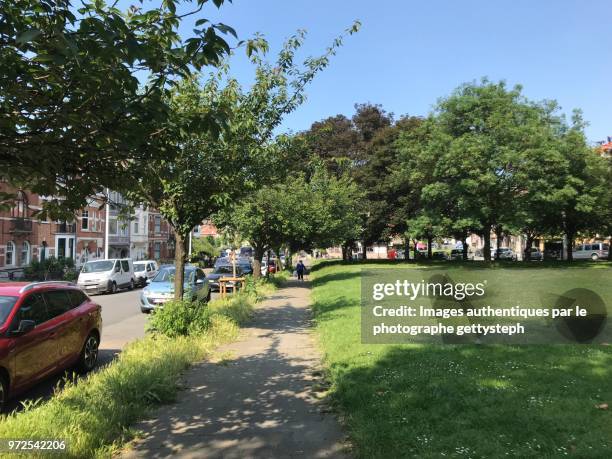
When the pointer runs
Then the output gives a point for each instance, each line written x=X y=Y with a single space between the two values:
x=27 y=36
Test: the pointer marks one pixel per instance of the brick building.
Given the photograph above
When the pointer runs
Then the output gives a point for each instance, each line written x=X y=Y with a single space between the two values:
x=161 y=237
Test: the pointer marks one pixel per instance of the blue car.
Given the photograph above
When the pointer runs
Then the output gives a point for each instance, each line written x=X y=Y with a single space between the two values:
x=161 y=288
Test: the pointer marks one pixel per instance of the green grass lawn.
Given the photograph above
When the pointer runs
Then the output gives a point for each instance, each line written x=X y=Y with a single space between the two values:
x=466 y=400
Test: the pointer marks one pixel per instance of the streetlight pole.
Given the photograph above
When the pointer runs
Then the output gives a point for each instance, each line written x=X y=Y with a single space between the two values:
x=107 y=224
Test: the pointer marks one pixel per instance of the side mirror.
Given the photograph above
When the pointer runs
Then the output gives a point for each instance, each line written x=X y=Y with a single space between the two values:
x=24 y=327
x=199 y=281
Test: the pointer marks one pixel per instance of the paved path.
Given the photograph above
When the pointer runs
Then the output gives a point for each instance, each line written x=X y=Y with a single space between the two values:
x=258 y=400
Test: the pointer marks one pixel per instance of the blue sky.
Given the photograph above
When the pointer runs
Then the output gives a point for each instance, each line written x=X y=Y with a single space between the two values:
x=409 y=53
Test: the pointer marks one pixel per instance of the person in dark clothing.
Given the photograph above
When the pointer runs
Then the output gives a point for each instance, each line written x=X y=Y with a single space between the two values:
x=300 y=268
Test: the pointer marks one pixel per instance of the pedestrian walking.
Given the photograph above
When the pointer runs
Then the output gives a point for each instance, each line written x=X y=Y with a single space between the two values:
x=300 y=268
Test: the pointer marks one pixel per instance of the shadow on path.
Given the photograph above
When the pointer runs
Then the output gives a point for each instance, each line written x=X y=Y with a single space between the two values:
x=259 y=401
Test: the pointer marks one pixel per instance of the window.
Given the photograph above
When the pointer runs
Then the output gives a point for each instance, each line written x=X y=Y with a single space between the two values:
x=6 y=306
x=136 y=227
x=58 y=302
x=112 y=226
x=85 y=220
x=25 y=253
x=21 y=206
x=157 y=250
x=33 y=308
x=77 y=298
x=10 y=253
x=157 y=224
x=125 y=265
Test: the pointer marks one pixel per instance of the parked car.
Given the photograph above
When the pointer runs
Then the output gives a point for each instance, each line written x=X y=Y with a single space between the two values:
x=535 y=254
x=161 y=288
x=102 y=276
x=144 y=270
x=245 y=266
x=223 y=271
x=594 y=251
x=246 y=252
x=504 y=253
x=456 y=254
x=439 y=255
x=272 y=266
x=45 y=327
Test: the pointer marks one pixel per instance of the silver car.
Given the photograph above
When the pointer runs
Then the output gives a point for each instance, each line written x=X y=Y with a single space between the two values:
x=161 y=289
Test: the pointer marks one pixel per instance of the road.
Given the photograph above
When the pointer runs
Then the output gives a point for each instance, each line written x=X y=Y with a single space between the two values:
x=122 y=322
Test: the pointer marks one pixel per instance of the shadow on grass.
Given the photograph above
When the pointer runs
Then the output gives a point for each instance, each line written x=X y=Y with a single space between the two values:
x=334 y=277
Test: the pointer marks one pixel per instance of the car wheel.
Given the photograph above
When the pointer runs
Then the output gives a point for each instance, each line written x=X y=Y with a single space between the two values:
x=145 y=310
x=114 y=287
x=594 y=257
x=89 y=353
x=3 y=393
x=131 y=287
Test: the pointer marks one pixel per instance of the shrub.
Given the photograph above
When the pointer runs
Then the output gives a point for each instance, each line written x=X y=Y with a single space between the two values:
x=51 y=269
x=180 y=318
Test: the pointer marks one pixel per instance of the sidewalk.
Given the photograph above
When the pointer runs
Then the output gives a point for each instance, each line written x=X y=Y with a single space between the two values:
x=258 y=401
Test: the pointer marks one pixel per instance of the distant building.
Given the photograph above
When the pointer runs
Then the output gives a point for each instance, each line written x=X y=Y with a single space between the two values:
x=139 y=234
x=605 y=148
x=161 y=240
x=205 y=229
x=118 y=227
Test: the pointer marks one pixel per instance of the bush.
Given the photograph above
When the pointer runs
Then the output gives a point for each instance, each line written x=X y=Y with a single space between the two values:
x=51 y=269
x=180 y=318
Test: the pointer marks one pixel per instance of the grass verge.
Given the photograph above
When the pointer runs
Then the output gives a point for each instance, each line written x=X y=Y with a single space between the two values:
x=437 y=401
x=93 y=415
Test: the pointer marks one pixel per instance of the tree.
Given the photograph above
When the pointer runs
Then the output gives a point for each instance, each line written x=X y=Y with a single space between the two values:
x=194 y=172
x=585 y=188
x=320 y=212
x=73 y=114
x=481 y=133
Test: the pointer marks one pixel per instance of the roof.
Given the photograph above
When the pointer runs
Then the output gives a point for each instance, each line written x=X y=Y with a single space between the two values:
x=15 y=288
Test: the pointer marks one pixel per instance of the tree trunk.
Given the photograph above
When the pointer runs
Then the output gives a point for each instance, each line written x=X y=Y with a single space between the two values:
x=528 y=244
x=257 y=257
x=570 y=245
x=610 y=248
x=268 y=263
x=179 y=264
x=416 y=251
x=407 y=249
x=486 y=251
x=364 y=250
x=429 y=251
x=499 y=233
x=465 y=248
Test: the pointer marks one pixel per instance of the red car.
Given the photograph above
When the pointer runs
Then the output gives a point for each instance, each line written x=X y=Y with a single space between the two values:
x=45 y=327
x=272 y=266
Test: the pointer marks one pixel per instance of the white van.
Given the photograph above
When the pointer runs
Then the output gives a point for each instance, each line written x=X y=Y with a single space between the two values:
x=101 y=276
x=143 y=270
x=594 y=251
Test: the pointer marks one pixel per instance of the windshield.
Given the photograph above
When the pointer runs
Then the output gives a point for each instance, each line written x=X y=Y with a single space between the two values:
x=6 y=305
x=98 y=266
x=167 y=274
x=138 y=267
x=225 y=270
